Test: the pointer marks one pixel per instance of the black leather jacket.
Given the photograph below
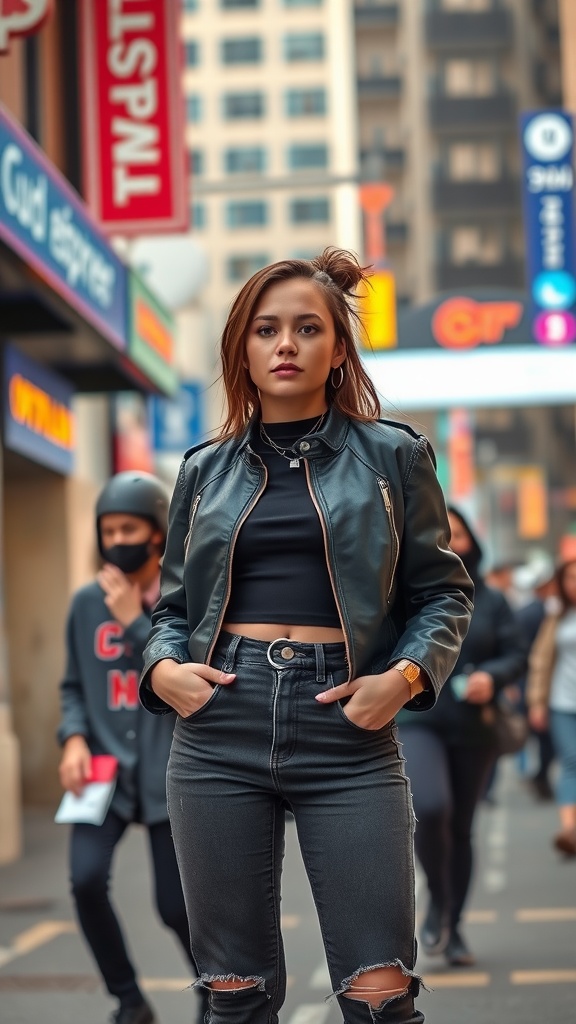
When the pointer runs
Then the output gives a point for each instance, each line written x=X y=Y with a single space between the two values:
x=400 y=591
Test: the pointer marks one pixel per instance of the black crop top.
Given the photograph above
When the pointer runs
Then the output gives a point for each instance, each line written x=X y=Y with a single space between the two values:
x=279 y=570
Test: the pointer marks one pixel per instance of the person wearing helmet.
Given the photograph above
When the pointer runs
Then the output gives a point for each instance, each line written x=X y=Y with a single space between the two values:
x=107 y=630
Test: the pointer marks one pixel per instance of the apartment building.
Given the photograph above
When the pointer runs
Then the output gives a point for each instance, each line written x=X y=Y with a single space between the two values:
x=440 y=84
x=271 y=112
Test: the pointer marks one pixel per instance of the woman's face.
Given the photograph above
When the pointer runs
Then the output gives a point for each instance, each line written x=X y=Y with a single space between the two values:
x=460 y=541
x=291 y=349
x=569 y=582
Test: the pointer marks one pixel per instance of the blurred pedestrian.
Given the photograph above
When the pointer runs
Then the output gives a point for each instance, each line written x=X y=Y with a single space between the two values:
x=308 y=593
x=551 y=697
x=538 y=579
x=107 y=629
x=449 y=753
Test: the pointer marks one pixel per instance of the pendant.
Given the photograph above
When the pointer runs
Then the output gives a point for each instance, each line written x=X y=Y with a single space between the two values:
x=294 y=463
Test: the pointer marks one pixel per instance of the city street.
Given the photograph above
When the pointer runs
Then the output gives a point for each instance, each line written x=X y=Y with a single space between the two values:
x=521 y=924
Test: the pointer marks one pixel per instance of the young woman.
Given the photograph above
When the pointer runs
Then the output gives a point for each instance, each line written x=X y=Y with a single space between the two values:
x=308 y=592
x=449 y=753
x=551 y=695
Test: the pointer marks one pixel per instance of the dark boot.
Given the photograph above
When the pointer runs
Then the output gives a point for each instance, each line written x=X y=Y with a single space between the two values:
x=457 y=952
x=435 y=930
x=142 y=1013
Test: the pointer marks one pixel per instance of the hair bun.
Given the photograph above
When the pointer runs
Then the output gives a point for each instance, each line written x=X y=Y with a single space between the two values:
x=342 y=267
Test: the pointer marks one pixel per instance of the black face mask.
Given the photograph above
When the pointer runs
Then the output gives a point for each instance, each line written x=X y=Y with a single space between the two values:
x=128 y=557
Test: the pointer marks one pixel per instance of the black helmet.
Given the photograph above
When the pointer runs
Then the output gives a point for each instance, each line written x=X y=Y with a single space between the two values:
x=135 y=494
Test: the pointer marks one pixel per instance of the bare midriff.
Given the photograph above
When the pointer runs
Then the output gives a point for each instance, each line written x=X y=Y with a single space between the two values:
x=274 y=630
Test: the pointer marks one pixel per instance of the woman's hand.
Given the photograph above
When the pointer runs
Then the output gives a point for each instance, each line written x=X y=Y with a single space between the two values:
x=186 y=687
x=123 y=598
x=480 y=688
x=538 y=717
x=76 y=764
x=374 y=700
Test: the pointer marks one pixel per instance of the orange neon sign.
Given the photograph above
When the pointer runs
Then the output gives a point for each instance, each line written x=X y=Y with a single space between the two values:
x=40 y=412
x=462 y=323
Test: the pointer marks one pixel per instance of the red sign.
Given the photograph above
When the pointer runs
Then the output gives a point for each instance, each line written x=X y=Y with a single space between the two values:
x=136 y=175
x=21 y=18
x=464 y=323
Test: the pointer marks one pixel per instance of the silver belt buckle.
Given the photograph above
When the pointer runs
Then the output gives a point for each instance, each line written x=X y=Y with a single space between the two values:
x=287 y=652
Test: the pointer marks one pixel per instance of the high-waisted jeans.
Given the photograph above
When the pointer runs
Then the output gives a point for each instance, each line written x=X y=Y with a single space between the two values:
x=257 y=746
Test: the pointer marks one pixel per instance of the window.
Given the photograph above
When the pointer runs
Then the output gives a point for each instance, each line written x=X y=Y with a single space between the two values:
x=199 y=218
x=247 y=213
x=196 y=161
x=473 y=161
x=194 y=107
x=192 y=50
x=190 y=5
x=305 y=102
x=310 y=211
x=469 y=77
x=467 y=5
x=304 y=46
x=230 y=5
x=306 y=157
x=245 y=160
x=303 y=3
x=243 y=104
x=475 y=244
x=240 y=268
x=242 y=51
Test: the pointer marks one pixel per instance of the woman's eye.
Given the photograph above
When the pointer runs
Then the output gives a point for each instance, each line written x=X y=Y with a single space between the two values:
x=308 y=329
x=265 y=332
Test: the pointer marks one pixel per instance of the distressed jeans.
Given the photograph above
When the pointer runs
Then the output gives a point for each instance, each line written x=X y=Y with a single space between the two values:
x=255 y=747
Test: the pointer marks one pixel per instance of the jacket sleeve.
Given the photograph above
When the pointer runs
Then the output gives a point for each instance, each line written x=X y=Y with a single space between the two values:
x=74 y=717
x=169 y=633
x=137 y=634
x=432 y=582
x=541 y=663
x=509 y=659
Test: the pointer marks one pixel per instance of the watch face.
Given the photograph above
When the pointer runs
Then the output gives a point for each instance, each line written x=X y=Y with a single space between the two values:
x=411 y=672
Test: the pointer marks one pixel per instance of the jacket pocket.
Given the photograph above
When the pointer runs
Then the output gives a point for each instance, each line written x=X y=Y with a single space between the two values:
x=394 y=540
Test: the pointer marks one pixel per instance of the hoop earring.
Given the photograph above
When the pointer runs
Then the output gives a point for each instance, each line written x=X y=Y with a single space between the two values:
x=341 y=381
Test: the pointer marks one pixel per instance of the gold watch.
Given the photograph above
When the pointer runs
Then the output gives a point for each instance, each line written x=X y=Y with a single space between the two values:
x=412 y=674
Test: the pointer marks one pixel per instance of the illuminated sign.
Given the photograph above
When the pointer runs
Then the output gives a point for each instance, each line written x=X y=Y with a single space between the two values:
x=463 y=323
x=150 y=336
x=38 y=418
x=378 y=311
x=21 y=18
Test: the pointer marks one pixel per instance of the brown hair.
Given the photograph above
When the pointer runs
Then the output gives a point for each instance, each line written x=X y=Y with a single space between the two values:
x=338 y=274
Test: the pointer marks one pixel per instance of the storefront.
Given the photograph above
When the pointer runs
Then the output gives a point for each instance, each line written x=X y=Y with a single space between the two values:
x=498 y=405
x=76 y=325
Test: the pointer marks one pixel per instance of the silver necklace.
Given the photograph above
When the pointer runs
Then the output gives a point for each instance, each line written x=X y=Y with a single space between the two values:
x=287 y=453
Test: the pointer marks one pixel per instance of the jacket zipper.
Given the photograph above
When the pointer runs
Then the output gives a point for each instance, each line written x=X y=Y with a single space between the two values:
x=239 y=525
x=329 y=567
x=385 y=491
x=193 y=511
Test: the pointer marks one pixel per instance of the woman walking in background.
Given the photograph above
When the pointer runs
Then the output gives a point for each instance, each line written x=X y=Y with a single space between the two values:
x=551 y=697
x=308 y=593
x=449 y=753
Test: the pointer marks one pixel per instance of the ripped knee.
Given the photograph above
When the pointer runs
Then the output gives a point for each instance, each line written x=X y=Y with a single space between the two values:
x=232 y=984
x=377 y=985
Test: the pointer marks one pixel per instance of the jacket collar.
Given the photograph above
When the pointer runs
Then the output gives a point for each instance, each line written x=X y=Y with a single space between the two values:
x=327 y=441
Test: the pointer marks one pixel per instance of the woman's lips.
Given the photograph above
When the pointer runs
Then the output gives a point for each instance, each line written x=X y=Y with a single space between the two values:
x=286 y=371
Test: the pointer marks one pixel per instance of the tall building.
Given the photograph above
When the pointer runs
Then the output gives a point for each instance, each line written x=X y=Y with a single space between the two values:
x=440 y=86
x=272 y=134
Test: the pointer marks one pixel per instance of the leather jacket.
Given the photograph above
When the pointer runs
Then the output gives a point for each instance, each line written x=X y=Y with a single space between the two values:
x=400 y=591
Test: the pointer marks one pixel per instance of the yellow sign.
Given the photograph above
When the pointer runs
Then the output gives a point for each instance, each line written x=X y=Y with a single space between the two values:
x=40 y=412
x=532 y=503
x=378 y=312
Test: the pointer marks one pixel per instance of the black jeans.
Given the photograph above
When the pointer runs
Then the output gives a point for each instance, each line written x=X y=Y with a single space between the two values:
x=91 y=851
x=256 y=746
x=447 y=783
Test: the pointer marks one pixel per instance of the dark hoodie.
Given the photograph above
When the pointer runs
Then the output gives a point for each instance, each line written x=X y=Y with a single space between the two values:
x=493 y=644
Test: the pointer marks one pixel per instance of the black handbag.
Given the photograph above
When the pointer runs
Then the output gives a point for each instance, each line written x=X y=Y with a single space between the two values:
x=511 y=728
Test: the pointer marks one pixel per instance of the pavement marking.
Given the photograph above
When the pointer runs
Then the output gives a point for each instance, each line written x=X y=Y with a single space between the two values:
x=34 y=937
x=546 y=914
x=310 y=1013
x=321 y=977
x=552 y=977
x=472 y=979
x=290 y=920
x=481 y=916
x=167 y=984
x=495 y=875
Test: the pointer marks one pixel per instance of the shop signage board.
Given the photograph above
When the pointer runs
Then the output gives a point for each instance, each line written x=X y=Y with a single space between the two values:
x=135 y=158
x=21 y=18
x=150 y=336
x=47 y=224
x=178 y=423
x=548 y=185
x=38 y=417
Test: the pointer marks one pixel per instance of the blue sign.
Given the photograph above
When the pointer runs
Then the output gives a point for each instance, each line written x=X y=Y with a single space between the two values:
x=38 y=417
x=547 y=144
x=47 y=224
x=178 y=422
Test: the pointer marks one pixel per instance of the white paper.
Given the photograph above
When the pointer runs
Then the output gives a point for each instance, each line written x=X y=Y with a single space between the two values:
x=90 y=807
